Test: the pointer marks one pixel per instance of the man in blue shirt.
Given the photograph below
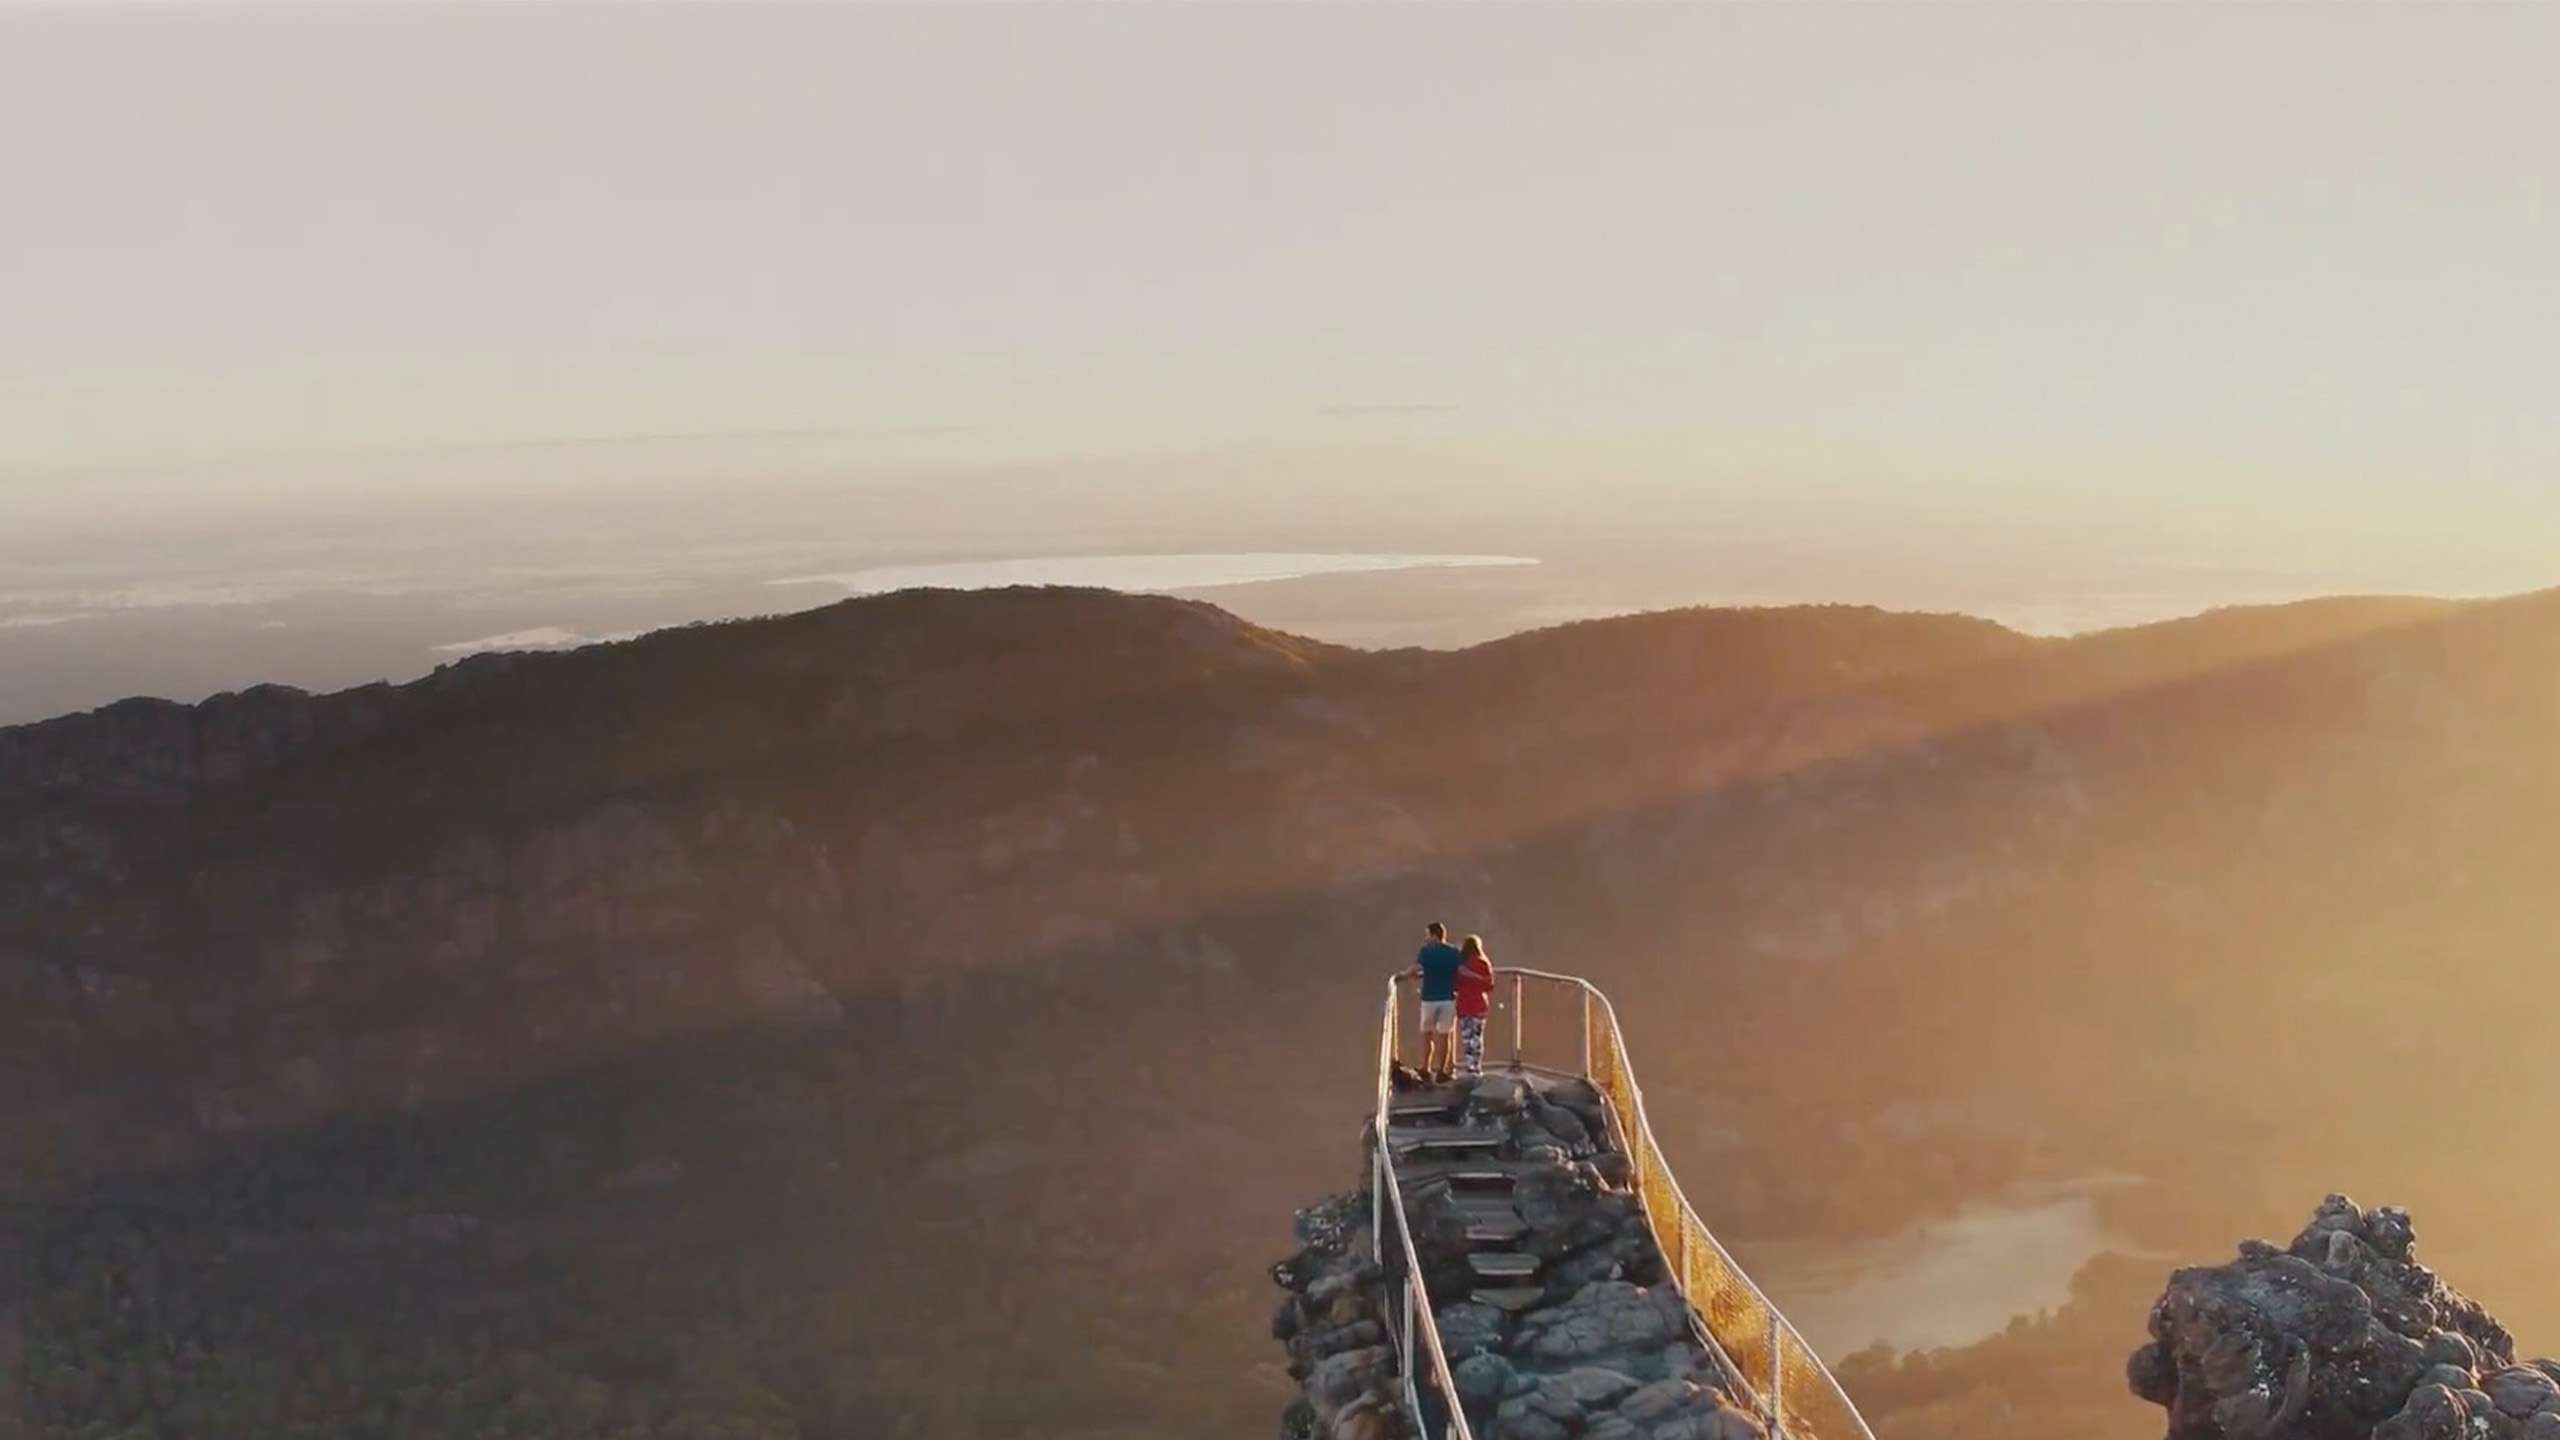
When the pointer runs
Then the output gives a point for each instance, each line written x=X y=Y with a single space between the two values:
x=1437 y=964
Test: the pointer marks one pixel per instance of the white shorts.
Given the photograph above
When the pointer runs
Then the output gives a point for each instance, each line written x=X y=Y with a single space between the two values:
x=1439 y=1015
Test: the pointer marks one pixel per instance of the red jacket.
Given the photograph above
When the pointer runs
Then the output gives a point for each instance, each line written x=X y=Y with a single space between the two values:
x=1475 y=986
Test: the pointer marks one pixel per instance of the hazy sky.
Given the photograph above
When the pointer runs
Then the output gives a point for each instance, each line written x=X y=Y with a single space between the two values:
x=2217 y=268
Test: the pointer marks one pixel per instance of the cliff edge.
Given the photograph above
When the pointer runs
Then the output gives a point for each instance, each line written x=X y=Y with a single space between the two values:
x=2341 y=1335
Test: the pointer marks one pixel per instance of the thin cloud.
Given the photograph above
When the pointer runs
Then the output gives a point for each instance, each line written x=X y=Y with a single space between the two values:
x=1391 y=408
x=516 y=445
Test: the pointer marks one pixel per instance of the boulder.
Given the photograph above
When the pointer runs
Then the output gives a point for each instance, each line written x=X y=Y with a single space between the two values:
x=2452 y=1377
x=1342 y=1378
x=1439 y=1228
x=1482 y=1379
x=1561 y=1404
x=1562 y=1206
x=1468 y=1328
x=2341 y=1335
x=2449 y=1347
x=1372 y=1417
x=1567 y=1127
x=2432 y=1413
x=1579 y=1097
x=1594 y=1387
x=1327 y=1225
x=1659 y=1400
x=1604 y=1318
x=1499 y=1095
x=1358 y=1335
x=2521 y=1390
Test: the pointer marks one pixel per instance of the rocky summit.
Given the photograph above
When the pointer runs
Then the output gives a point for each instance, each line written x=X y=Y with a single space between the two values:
x=1600 y=1346
x=2341 y=1335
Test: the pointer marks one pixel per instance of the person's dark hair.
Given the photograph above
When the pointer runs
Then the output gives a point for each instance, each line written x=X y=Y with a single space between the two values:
x=1436 y=930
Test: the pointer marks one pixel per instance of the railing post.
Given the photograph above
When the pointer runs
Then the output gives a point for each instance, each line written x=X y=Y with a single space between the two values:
x=1517 y=992
x=1586 y=1031
x=1412 y=1392
x=1680 y=1250
x=1378 y=1202
x=1395 y=1020
x=1688 y=1272
x=1777 y=1378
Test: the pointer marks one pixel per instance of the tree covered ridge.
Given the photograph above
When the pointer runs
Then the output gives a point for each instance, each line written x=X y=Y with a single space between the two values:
x=1863 y=885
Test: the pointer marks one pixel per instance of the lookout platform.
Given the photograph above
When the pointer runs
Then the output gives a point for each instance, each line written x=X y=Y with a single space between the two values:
x=1543 y=1262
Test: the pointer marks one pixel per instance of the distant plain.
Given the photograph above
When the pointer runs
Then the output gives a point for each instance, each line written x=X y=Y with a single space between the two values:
x=199 y=602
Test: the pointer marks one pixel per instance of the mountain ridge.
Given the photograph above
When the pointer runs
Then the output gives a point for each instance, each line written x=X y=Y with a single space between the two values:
x=855 y=923
x=233 y=733
x=1025 y=750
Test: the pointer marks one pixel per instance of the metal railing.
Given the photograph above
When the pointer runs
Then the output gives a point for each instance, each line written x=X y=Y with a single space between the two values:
x=1416 y=1323
x=1764 y=1358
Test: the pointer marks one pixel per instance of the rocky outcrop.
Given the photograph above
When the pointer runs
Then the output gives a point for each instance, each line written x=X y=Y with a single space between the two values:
x=2341 y=1335
x=1615 y=1359
x=1607 y=1349
x=1334 y=1325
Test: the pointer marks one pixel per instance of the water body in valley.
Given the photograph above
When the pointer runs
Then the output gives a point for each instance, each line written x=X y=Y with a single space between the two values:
x=1947 y=1281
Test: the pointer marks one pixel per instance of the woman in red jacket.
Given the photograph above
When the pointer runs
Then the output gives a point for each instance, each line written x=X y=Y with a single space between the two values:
x=1475 y=996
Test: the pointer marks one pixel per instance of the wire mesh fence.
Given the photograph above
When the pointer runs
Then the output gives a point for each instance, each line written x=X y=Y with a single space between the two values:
x=1562 y=1024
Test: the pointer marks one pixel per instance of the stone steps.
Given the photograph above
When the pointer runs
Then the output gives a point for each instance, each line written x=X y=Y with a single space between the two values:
x=1462 y=1170
x=1491 y=1221
x=1408 y=1139
x=1422 y=1105
x=1432 y=1144
x=1550 y=1330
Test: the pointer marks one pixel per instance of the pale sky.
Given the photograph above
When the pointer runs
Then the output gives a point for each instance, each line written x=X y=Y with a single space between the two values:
x=2245 y=266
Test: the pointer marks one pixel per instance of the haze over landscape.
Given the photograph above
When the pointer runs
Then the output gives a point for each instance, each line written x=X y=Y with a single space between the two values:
x=807 y=659
x=330 y=336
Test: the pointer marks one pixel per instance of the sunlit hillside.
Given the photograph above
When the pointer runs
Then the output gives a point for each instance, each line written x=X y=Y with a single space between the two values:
x=676 y=1029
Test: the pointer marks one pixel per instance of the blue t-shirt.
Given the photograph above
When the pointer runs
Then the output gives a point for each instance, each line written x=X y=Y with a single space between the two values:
x=1439 y=961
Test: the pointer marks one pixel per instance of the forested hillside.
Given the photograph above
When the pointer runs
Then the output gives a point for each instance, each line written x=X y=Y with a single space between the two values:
x=848 y=1024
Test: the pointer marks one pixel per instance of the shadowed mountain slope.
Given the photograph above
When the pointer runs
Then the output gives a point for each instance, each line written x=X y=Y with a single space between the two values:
x=932 y=950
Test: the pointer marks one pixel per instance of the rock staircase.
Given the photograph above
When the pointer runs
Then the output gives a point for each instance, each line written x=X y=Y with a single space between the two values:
x=1529 y=1269
x=1433 y=1141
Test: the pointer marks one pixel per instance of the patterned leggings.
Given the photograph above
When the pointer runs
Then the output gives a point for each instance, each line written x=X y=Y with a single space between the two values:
x=1471 y=1043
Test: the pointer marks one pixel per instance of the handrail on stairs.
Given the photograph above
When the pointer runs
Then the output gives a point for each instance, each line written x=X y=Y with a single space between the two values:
x=1765 y=1360
x=1415 y=1323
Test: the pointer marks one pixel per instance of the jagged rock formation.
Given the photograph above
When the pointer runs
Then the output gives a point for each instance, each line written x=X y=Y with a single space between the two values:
x=2341 y=1335
x=1600 y=1346
x=1334 y=1325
